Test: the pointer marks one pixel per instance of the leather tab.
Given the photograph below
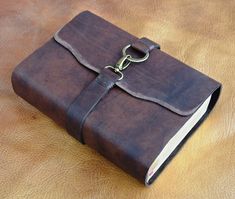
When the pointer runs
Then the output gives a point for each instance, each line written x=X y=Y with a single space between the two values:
x=161 y=79
x=145 y=45
x=89 y=97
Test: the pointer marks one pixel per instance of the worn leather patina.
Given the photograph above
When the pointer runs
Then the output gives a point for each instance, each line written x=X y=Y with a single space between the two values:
x=138 y=116
x=90 y=96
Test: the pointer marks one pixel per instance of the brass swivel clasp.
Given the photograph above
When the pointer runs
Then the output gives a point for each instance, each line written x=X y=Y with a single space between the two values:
x=122 y=63
x=125 y=61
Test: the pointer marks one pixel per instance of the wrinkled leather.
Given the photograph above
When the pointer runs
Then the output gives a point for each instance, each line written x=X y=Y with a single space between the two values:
x=39 y=160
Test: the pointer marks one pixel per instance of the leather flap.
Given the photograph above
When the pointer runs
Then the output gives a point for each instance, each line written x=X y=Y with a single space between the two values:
x=161 y=79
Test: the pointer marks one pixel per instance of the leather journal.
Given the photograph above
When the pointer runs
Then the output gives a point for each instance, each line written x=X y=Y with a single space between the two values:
x=119 y=94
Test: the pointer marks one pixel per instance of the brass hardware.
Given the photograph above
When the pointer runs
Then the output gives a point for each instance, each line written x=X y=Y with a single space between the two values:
x=122 y=63
x=132 y=59
x=125 y=61
x=119 y=72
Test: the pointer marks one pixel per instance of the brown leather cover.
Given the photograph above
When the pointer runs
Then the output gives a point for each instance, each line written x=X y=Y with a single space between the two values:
x=138 y=116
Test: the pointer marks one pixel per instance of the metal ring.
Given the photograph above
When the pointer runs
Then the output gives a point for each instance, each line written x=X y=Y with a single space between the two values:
x=119 y=72
x=132 y=59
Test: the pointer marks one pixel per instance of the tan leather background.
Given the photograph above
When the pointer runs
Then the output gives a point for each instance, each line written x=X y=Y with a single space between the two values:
x=39 y=160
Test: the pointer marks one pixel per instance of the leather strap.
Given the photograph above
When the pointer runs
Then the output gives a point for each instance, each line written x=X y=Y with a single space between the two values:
x=91 y=95
x=145 y=45
x=86 y=101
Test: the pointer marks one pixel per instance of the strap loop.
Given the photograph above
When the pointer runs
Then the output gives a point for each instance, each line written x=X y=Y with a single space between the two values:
x=145 y=45
x=90 y=96
x=84 y=104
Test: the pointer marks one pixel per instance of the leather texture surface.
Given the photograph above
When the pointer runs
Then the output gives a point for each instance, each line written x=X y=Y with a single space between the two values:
x=91 y=39
x=91 y=95
x=125 y=128
x=145 y=45
x=37 y=164
x=87 y=100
